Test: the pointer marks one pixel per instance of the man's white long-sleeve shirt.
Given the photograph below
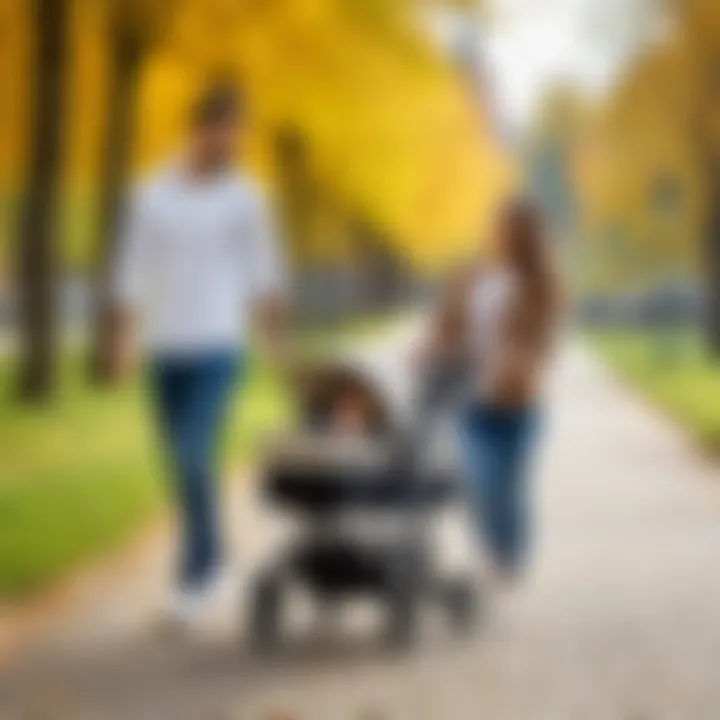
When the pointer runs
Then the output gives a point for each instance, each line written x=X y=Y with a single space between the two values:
x=194 y=257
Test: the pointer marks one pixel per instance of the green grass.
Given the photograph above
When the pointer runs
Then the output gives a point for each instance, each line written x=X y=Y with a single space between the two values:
x=76 y=222
x=325 y=339
x=679 y=378
x=78 y=476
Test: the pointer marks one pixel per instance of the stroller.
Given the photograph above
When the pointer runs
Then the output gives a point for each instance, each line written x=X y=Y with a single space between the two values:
x=374 y=464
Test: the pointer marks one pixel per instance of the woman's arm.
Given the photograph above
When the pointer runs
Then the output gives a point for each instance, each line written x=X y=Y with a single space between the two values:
x=526 y=336
x=449 y=327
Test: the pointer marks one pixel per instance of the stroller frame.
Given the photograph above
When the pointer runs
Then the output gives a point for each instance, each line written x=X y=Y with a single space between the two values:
x=402 y=572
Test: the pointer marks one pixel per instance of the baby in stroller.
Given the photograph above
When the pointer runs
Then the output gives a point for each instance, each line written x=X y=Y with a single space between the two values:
x=354 y=455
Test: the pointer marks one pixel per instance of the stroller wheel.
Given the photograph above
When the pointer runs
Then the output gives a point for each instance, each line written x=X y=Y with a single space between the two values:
x=404 y=606
x=462 y=604
x=266 y=614
x=403 y=621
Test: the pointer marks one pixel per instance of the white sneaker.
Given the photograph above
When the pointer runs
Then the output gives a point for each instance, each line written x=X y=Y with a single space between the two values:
x=184 y=612
x=189 y=608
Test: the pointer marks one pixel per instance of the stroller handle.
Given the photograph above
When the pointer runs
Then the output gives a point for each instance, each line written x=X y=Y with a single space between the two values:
x=442 y=387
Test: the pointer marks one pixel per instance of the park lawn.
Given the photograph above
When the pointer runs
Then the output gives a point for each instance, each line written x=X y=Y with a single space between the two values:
x=686 y=383
x=78 y=476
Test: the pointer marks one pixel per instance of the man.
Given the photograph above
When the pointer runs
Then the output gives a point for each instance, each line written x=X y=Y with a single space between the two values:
x=199 y=259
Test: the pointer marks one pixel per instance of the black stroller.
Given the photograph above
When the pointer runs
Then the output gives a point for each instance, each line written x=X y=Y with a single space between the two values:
x=323 y=477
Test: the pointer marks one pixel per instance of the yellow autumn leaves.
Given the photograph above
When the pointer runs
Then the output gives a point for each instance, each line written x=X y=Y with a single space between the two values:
x=392 y=129
x=654 y=140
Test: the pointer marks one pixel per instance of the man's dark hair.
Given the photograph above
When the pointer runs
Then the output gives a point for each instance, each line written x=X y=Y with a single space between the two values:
x=221 y=101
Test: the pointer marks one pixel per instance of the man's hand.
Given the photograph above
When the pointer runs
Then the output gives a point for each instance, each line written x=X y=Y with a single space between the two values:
x=273 y=320
x=123 y=360
x=422 y=356
x=513 y=376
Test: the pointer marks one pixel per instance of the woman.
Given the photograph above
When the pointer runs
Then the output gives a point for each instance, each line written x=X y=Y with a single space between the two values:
x=508 y=317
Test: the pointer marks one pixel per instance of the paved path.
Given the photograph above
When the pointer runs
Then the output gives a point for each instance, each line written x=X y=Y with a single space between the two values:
x=621 y=620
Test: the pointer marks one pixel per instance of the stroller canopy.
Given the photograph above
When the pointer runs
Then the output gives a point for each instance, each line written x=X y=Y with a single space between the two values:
x=321 y=387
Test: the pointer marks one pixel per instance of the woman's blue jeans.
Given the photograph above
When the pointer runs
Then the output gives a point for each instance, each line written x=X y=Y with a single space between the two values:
x=498 y=443
x=192 y=395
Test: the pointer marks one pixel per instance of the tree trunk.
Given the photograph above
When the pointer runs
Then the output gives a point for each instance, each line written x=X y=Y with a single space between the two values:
x=37 y=277
x=708 y=158
x=122 y=84
x=713 y=261
x=382 y=267
x=298 y=198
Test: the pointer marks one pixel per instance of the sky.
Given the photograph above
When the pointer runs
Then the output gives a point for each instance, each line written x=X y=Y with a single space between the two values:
x=530 y=45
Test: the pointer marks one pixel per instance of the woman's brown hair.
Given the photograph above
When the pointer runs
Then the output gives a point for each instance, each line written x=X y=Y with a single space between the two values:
x=523 y=245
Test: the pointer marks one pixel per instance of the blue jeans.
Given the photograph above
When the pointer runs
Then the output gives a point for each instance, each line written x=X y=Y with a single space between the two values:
x=498 y=443
x=191 y=396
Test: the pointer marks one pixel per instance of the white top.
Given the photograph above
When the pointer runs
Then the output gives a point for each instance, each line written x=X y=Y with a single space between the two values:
x=491 y=300
x=194 y=256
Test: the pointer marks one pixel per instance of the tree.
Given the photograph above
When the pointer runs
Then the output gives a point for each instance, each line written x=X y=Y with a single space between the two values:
x=656 y=132
x=298 y=192
x=700 y=22
x=550 y=151
x=386 y=118
x=689 y=107
x=37 y=239
x=134 y=26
